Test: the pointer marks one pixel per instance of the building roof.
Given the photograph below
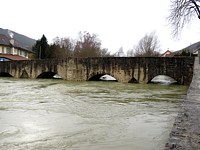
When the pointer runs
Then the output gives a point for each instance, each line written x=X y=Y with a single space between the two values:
x=193 y=48
x=167 y=54
x=13 y=57
x=4 y=40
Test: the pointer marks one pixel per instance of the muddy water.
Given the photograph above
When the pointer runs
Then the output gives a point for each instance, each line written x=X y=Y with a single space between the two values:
x=59 y=115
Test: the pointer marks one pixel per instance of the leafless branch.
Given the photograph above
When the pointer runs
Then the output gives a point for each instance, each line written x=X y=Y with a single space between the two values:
x=148 y=46
x=182 y=12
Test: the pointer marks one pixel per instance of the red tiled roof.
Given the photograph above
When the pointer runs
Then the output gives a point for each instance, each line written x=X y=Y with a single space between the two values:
x=13 y=57
x=167 y=55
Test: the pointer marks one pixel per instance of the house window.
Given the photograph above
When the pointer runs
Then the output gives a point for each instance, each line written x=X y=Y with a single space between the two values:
x=8 y=50
x=15 y=51
x=26 y=54
x=18 y=52
x=22 y=53
x=3 y=50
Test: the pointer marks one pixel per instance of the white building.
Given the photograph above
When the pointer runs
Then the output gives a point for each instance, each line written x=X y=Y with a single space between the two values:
x=10 y=49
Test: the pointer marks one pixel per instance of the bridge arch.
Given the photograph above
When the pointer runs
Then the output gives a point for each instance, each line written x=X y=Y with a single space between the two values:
x=5 y=74
x=48 y=75
x=24 y=74
x=96 y=77
x=162 y=78
x=133 y=80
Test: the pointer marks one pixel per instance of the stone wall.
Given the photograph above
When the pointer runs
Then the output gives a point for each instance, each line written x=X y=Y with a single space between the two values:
x=124 y=69
x=185 y=134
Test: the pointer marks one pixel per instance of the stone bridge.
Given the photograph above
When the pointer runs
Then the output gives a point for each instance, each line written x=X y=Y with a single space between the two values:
x=124 y=69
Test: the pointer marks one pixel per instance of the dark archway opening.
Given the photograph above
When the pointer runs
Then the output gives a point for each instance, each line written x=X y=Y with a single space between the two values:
x=96 y=77
x=49 y=75
x=24 y=74
x=102 y=77
x=133 y=80
x=5 y=74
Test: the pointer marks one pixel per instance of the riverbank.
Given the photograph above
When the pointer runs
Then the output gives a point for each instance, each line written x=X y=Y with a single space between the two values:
x=185 y=134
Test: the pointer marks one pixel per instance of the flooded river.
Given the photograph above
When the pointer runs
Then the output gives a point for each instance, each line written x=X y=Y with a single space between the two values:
x=60 y=115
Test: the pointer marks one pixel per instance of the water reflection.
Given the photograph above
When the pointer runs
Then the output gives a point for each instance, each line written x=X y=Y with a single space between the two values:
x=107 y=78
x=55 y=114
x=163 y=79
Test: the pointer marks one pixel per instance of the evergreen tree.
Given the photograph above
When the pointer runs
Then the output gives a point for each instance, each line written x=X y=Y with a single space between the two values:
x=44 y=48
x=36 y=49
x=41 y=48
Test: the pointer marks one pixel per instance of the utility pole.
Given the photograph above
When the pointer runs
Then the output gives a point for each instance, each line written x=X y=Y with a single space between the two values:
x=40 y=52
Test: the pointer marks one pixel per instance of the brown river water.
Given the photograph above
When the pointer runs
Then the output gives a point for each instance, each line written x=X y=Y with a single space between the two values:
x=58 y=115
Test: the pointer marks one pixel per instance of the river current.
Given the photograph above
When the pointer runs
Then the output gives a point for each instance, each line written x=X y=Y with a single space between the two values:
x=60 y=115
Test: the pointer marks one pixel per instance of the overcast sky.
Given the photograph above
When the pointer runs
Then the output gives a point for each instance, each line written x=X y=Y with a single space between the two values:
x=118 y=23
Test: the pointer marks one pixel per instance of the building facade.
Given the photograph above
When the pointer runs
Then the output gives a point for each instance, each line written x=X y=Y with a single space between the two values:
x=10 y=49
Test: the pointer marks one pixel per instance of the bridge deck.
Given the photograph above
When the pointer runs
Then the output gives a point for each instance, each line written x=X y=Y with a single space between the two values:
x=185 y=134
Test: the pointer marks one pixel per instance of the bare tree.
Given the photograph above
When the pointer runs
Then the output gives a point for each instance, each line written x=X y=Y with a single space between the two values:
x=61 y=48
x=148 y=46
x=182 y=12
x=104 y=53
x=88 y=45
x=130 y=53
x=119 y=53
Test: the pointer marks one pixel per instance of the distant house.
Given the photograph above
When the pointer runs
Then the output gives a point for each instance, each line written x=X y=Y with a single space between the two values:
x=196 y=51
x=191 y=50
x=10 y=49
x=167 y=54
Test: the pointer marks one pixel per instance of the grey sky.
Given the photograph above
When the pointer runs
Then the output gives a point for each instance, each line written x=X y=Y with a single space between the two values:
x=119 y=23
